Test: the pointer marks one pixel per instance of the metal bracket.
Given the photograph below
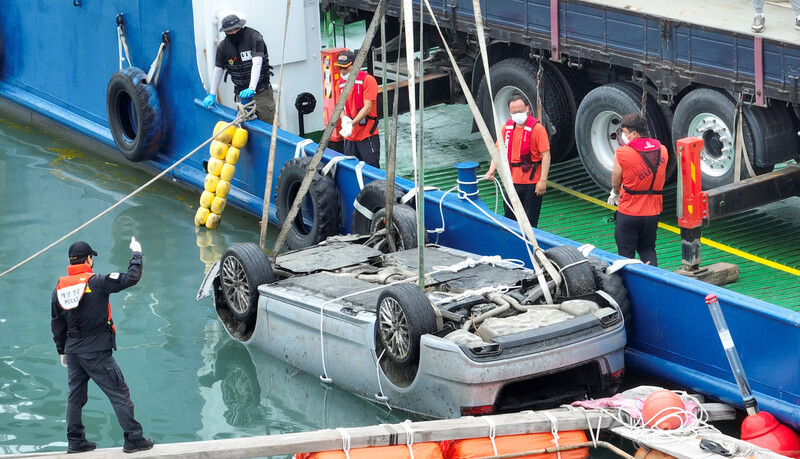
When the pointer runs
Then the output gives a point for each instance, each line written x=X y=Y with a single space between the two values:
x=554 y=30
x=165 y=37
x=758 y=64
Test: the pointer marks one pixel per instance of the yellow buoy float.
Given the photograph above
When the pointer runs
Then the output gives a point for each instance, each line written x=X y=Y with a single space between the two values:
x=224 y=153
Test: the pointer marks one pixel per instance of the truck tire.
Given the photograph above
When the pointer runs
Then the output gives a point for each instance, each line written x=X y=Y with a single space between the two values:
x=519 y=75
x=709 y=114
x=574 y=86
x=599 y=117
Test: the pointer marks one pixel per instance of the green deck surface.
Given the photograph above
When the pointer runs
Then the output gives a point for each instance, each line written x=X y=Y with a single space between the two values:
x=754 y=232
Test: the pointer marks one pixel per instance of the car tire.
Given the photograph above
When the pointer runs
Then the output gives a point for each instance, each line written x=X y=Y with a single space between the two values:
x=598 y=119
x=614 y=286
x=404 y=228
x=404 y=314
x=370 y=200
x=243 y=267
x=319 y=214
x=575 y=270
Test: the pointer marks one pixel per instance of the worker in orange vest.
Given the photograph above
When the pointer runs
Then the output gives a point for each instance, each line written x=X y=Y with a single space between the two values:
x=360 y=115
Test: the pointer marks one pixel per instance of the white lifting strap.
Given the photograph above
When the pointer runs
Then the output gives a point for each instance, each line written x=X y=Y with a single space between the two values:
x=360 y=174
x=345 y=441
x=300 y=148
x=363 y=210
x=492 y=433
x=155 y=67
x=122 y=44
x=332 y=165
x=619 y=264
x=413 y=192
x=586 y=249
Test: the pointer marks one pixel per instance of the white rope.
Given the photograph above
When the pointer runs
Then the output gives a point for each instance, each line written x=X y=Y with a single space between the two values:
x=413 y=192
x=299 y=150
x=116 y=204
x=593 y=434
x=345 y=441
x=554 y=430
x=409 y=436
x=492 y=432
x=380 y=396
x=462 y=194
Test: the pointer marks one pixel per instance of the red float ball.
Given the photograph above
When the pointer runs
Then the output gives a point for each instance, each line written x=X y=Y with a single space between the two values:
x=762 y=429
x=663 y=410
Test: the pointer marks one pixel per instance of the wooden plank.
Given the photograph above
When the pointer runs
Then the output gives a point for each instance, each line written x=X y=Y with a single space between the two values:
x=379 y=435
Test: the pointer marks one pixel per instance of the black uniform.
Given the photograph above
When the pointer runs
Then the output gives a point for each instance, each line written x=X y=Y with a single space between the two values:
x=86 y=335
x=235 y=54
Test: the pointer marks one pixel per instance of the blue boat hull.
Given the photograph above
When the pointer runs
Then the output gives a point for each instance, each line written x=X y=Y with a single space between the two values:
x=58 y=59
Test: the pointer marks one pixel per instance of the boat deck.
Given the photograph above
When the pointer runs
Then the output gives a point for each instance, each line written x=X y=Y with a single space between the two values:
x=762 y=242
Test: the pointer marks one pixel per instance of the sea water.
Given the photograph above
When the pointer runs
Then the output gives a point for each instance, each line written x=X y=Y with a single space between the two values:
x=189 y=381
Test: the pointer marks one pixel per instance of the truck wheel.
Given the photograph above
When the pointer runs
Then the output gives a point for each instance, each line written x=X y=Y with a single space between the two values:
x=404 y=315
x=598 y=119
x=574 y=268
x=574 y=86
x=709 y=114
x=519 y=75
x=243 y=267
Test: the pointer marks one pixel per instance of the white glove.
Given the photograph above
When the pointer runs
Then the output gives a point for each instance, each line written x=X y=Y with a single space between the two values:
x=347 y=119
x=613 y=198
x=347 y=127
x=135 y=246
x=64 y=360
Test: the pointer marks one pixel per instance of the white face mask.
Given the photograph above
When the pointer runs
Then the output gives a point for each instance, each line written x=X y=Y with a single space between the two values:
x=519 y=118
x=344 y=76
x=623 y=139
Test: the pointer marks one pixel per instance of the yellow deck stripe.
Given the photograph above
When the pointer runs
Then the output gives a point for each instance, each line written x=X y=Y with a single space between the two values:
x=673 y=229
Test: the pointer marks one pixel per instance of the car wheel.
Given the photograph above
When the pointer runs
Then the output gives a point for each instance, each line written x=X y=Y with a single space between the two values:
x=404 y=228
x=578 y=279
x=613 y=285
x=243 y=267
x=370 y=200
x=404 y=315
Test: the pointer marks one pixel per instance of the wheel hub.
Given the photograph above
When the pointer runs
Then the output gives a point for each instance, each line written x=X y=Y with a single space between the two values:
x=393 y=328
x=234 y=285
x=604 y=137
x=716 y=158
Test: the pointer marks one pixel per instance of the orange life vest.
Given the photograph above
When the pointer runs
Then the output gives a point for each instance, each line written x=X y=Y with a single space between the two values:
x=358 y=99
x=70 y=289
x=523 y=156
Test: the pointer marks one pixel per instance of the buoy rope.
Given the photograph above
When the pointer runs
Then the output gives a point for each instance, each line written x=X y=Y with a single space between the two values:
x=380 y=396
x=236 y=121
x=345 y=441
x=406 y=425
x=554 y=430
x=492 y=432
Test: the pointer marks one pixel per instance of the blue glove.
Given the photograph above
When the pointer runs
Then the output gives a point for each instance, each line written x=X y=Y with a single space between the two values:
x=209 y=100
x=246 y=93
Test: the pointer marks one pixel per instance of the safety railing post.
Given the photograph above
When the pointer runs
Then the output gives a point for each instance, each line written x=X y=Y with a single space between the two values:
x=692 y=201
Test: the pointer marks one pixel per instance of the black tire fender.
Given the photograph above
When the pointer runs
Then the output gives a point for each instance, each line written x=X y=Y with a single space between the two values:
x=763 y=129
x=599 y=116
x=319 y=214
x=404 y=314
x=519 y=74
x=371 y=199
x=575 y=270
x=404 y=227
x=134 y=114
x=243 y=267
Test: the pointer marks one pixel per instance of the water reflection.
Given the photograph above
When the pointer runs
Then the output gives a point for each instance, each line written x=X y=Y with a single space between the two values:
x=264 y=395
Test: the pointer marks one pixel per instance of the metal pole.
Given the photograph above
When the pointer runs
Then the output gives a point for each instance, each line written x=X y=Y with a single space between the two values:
x=420 y=155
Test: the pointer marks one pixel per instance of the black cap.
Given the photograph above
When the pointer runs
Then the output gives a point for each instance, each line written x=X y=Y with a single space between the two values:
x=231 y=22
x=345 y=58
x=80 y=250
